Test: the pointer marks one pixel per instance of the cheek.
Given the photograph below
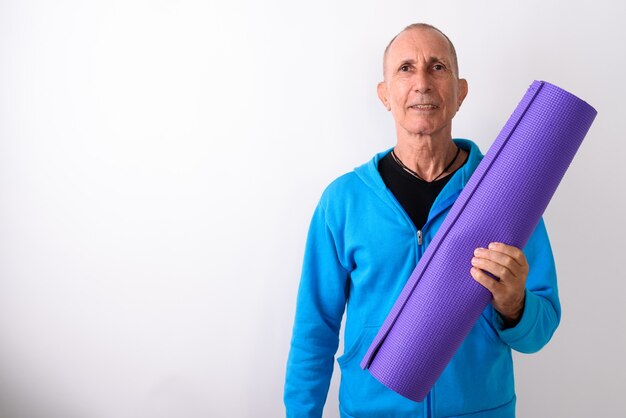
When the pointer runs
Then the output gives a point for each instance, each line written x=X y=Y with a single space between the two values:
x=400 y=90
x=398 y=104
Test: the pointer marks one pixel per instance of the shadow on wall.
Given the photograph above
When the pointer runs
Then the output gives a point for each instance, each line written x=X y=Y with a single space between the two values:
x=173 y=397
x=18 y=406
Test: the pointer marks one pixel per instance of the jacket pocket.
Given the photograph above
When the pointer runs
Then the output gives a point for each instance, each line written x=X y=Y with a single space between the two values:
x=356 y=346
x=360 y=394
x=479 y=377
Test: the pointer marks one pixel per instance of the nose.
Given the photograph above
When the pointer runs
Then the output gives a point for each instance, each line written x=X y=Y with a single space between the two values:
x=422 y=82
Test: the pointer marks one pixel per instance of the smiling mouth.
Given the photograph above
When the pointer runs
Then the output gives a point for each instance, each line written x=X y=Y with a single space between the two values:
x=424 y=107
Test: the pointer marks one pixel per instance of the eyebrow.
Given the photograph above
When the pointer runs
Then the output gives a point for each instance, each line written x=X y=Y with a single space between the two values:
x=431 y=60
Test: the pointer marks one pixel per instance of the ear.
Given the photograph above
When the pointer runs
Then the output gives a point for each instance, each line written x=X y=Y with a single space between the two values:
x=463 y=88
x=381 y=89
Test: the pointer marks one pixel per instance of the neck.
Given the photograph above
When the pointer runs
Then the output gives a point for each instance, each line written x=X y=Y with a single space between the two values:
x=426 y=155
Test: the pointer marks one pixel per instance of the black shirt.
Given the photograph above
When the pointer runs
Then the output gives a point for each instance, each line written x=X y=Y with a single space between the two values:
x=416 y=196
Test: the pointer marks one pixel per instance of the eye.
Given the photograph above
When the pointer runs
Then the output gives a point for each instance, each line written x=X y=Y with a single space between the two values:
x=404 y=68
x=439 y=67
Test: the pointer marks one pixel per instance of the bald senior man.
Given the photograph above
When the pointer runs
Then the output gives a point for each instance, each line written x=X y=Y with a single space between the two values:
x=370 y=228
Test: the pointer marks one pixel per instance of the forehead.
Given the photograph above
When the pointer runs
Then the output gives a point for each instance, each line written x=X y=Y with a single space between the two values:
x=419 y=43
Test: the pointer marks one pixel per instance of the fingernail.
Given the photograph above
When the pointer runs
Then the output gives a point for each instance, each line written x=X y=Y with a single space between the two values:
x=478 y=251
x=493 y=245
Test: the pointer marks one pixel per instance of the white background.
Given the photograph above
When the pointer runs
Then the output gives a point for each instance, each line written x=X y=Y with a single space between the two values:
x=160 y=162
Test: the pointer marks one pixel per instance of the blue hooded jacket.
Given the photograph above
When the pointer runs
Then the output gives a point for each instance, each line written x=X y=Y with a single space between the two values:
x=361 y=248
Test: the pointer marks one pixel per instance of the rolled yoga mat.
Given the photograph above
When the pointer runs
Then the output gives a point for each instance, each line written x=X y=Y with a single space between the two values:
x=502 y=201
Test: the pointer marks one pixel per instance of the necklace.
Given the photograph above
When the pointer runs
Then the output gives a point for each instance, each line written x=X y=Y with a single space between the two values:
x=414 y=174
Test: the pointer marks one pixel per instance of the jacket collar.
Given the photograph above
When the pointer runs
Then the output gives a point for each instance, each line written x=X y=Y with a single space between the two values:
x=369 y=174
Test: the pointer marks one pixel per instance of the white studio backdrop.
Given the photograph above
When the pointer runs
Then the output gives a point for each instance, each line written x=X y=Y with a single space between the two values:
x=160 y=162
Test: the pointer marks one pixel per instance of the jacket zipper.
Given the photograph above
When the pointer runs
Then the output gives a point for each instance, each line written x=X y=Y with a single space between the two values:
x=429 y=405
x=420 y=242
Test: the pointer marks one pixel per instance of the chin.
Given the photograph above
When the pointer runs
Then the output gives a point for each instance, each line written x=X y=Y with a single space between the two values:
x=423 y=127
x=421 y=130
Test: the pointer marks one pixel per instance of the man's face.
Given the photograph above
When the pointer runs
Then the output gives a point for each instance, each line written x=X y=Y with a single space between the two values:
x=421 y=87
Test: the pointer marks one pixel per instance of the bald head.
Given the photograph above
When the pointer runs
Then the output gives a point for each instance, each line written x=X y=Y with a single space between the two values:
x=424 y=26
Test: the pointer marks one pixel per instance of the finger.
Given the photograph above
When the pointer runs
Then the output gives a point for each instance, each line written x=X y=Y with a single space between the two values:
x=492 y=267
x=514 y=253
x=499 y=258
x=488 y=282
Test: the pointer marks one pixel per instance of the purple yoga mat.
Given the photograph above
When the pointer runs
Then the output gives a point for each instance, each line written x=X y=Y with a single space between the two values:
x=502 y=201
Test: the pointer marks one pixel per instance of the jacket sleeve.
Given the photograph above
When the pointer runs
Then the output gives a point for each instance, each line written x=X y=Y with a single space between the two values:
x=542 y=309
x=319 y=309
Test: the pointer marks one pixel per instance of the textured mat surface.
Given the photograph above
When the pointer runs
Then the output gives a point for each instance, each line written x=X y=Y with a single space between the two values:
x=503 y=201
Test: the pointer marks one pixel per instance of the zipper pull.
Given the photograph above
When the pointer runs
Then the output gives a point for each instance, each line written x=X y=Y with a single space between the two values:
x=419 y=237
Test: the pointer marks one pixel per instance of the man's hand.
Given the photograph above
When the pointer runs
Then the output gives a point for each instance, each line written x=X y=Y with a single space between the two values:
x=509 y=265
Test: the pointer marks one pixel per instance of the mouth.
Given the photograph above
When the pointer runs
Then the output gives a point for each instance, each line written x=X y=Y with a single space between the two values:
x=424 y=107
